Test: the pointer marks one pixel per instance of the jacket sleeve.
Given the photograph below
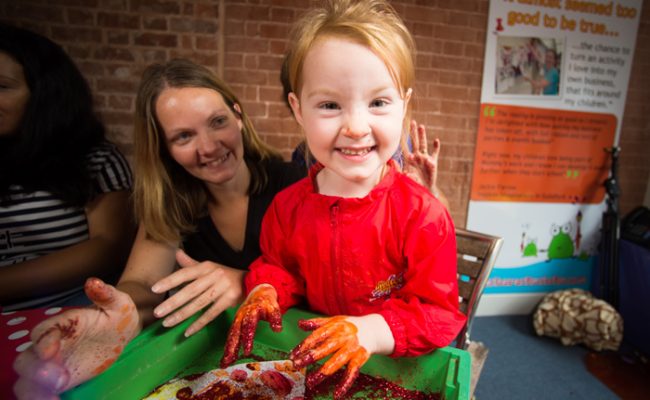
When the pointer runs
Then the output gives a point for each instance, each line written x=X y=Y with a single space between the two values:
x=276 y=266
x=424 y=313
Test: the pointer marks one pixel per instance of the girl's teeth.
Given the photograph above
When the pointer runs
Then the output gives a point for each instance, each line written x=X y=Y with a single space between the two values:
x=351 y=152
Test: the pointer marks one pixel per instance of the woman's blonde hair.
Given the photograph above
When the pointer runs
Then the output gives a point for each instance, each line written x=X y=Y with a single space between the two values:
x=168 y=200
x=371 y=23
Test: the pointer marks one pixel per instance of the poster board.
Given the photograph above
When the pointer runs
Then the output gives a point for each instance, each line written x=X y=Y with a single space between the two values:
x=555 y=80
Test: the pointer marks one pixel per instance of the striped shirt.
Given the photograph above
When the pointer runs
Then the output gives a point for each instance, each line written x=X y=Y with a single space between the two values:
x=34 y=224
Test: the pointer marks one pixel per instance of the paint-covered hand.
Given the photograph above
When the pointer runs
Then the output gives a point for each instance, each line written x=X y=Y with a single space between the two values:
x=206 y=286
x=261 y=304
x=76 y=345
x=350 y=341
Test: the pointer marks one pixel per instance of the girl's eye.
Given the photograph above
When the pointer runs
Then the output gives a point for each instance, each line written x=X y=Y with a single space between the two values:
x=378 y=103
x=330 y=105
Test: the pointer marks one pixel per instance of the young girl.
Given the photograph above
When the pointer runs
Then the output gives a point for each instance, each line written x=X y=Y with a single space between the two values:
x=357 y=239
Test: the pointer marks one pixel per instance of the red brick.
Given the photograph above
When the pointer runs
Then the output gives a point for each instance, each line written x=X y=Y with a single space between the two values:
x=80 y=17
x=154 y=23
x=274 y=31
x=155 y=39
x=113 y=4
x=113 y=53
x=243 y=12
x=155 y=6
x=192 y=25
x=111 y=85
x=282 y=14
x=121 y=102
x=76 y=35
x=117 y=37
x=207 y=11
x=118 y=20
x=117 y=118
x=207 y=42
x=209 y=59
x=49 y=14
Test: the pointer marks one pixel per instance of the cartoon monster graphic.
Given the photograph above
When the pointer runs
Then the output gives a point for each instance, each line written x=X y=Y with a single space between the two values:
x=561 y=245
x=530 y=250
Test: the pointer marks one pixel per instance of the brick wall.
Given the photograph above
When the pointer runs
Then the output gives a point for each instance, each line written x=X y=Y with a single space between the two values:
x=113 y=40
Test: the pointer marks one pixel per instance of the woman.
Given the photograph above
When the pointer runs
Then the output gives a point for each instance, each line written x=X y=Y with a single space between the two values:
x=204 y=180
x=64 y=190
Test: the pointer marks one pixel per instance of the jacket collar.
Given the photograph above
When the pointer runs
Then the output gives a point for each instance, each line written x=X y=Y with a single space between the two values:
x=385 y=182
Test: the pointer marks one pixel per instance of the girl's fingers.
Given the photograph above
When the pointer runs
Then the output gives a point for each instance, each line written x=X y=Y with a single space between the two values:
x=352 y=372
x=338 y=359
x=311 y=324
x=231 y=348
x=249 y=326
x=275 y=319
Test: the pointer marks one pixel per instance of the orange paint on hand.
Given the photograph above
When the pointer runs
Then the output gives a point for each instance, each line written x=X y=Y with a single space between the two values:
x=261 y=304
x=124 y=323
x=102 y=367
x=334 y=336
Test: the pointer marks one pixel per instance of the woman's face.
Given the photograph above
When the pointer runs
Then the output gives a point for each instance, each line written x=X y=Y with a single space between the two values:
x=202 y=133
x=14 y=94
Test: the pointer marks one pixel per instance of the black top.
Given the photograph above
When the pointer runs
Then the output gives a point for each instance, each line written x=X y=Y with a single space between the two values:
x=207 y=244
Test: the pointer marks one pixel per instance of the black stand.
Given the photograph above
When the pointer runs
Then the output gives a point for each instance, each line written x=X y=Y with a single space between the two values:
x=610 y=234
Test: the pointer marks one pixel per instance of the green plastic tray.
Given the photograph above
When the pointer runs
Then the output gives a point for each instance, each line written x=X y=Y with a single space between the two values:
x=159 y=354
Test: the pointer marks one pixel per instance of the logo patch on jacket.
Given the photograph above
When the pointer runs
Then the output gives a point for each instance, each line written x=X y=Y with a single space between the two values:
x=385 y=288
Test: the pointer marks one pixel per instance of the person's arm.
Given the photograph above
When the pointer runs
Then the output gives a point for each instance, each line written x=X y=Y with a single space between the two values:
x=276 y=266
x=424 y=313
x=111 y=228
x=421 y=166
x=149 y=262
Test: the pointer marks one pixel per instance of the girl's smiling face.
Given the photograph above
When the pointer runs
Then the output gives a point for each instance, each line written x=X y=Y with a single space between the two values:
x=202 y=133
x=352 y=114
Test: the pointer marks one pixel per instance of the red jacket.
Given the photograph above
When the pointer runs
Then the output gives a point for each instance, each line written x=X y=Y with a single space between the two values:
x=392 y=252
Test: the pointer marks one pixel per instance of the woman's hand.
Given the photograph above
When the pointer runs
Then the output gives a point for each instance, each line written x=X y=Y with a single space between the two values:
x=350 y=340
x=261 y=304
x=421 y=166
x=76 y=345
x=206 y=283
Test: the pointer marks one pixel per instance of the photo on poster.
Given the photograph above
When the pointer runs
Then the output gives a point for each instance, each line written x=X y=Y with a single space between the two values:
x=528 y=66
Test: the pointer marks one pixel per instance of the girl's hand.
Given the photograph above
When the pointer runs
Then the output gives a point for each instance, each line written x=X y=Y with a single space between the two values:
x=261 y=304
x=206 y=283
x=350 y=340
x=74 y=346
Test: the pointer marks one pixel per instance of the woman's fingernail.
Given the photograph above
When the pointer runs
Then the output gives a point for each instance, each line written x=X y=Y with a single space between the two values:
x=155 y=288
x=168 y=322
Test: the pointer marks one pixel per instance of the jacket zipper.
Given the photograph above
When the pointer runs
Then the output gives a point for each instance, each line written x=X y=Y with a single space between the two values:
x=337 y=281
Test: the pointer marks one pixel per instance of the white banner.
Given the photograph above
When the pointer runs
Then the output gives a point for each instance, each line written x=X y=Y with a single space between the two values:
x=555 y=80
